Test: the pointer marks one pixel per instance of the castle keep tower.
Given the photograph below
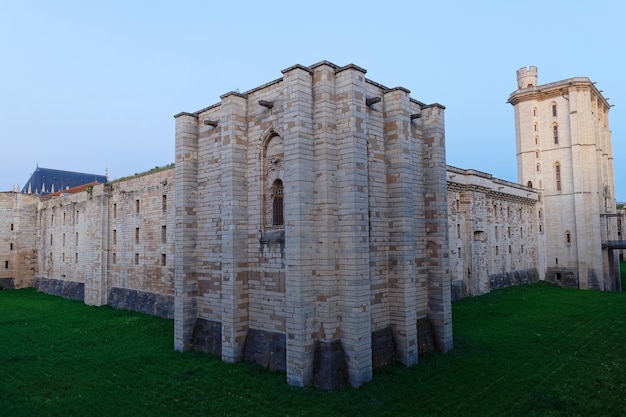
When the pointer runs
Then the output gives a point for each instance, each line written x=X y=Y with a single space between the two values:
x=311 y=230
x=564 y=150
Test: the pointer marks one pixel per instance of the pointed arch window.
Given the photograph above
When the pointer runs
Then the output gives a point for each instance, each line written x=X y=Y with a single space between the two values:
x=278 y=203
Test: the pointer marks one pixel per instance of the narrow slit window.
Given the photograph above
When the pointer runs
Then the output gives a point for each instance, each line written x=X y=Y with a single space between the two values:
x=278 y=206
x=555 y=134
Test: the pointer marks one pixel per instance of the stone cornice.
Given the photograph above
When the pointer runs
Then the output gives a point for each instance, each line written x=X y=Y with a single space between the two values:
x=554 y=89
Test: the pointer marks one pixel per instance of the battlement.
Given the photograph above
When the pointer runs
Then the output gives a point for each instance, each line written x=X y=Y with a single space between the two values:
x=527 y=77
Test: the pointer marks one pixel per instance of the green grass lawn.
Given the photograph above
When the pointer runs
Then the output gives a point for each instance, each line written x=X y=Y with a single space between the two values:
x=533 y=350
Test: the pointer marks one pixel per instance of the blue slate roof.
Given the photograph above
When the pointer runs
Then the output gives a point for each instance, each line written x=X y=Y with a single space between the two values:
x=45 y=181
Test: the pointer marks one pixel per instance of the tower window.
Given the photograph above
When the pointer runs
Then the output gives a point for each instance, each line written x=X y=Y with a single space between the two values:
x=554 y=109
x=278 y=206
x=557 y=171
x=555 y=134
x=568 y=238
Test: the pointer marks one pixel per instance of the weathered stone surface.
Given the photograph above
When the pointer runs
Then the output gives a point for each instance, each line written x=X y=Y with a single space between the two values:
x=66 y=289
x=563 y=277
x=425 y=336
x=267 y=349
x=7 y=283
x=330 y=370
x=510 y=278
x=384 y=350
x=142 y=302
x=207 y=336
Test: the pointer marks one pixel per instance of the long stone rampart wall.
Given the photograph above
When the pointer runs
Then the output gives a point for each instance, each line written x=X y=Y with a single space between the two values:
x=110 y=244
x=492 y=231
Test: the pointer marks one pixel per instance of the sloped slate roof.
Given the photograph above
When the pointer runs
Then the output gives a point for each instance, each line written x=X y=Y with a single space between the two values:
x=45 y=181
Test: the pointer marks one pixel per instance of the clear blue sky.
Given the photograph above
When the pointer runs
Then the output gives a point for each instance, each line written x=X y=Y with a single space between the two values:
x=93 y=85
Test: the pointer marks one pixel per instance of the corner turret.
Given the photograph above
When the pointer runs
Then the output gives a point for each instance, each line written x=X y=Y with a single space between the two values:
x=527 y=78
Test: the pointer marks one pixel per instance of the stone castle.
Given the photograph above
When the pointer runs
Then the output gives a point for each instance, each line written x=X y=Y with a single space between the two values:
x=311 y=224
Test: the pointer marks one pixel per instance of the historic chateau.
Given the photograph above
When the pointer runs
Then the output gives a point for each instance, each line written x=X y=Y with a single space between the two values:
x=311 y=224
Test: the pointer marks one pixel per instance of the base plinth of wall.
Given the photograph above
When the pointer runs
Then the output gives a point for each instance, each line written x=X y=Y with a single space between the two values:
x=458 y=289
x=207 y=337
x=425 y=336
x=330 y=370
x=563 y=277
x=66 y=289
x=143 y=302
x=267 y=349
x=384 y=351
x=510 y=278
x=7 y=283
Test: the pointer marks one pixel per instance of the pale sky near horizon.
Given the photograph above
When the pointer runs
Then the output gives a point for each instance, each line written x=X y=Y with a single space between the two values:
x=92 y=86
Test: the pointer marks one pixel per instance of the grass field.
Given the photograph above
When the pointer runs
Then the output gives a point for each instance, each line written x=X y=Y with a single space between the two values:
x=533 y=350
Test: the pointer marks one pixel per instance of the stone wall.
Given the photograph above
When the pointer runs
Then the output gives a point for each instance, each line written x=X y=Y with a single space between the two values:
x=492 y=230
x=359 y=248
x=115 y=240
x=18 y=240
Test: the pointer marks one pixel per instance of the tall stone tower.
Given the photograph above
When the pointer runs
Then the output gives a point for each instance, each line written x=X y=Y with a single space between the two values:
x=311 y=231
x=564 y=150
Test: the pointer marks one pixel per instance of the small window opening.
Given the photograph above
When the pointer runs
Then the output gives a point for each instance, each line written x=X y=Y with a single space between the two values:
x=555 y=134
x=163 y=259
x=278 y=206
